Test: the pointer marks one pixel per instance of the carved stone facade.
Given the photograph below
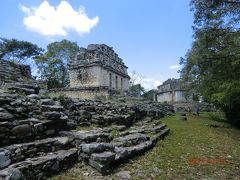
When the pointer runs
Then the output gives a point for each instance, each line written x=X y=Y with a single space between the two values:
x=98 y=67
x=171 y=91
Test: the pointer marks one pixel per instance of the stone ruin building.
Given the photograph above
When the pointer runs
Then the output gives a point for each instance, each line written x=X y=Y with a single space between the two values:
x=97 y=71
x=172 y=92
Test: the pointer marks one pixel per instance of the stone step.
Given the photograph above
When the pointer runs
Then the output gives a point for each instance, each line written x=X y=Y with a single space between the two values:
x=26 y=88
x=131 y=139
x=87 y=136
x=155 y=129
x=19 y=152
x=160 y=135
x=105 y=156
x=41 y=167
x=144 y=130
x=28 y=130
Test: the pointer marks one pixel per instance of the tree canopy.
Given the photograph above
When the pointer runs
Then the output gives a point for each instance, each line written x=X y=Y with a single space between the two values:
x=213 y=63
x=137 y=90
x=18 y=51
x=53 y=64
x=150 y=95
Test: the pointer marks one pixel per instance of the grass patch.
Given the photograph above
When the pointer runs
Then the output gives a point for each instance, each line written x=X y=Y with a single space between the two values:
x=215 y=116
x=190 y=140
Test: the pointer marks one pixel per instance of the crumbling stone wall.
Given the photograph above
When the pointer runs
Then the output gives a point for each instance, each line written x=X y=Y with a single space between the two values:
x=10 y=71
x=83 y=93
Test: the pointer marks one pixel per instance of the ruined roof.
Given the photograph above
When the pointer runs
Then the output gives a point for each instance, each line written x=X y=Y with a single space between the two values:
x=98 y=54
x=171 y=85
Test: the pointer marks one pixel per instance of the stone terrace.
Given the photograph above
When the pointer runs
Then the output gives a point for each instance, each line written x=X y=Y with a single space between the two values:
x=41 y=136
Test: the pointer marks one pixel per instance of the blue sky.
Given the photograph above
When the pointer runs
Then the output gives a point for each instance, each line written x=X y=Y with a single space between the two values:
x=149 y=35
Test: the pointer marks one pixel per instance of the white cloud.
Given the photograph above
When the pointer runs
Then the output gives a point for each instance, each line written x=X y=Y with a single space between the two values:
x=174 y=67
x=51 y=21
x=147 y=82
x=151 y=83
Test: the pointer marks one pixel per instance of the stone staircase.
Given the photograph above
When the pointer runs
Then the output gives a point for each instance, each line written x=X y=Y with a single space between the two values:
x=37 y=159
x=38 y=138
x=30 y=146
x=104 y=152
x=98 y=148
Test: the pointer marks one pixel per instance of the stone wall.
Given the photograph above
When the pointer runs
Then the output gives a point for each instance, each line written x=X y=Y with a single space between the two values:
x=97 y=76
x=83 y=93
x=171 y=91
x=10 y=71
x=171 y=97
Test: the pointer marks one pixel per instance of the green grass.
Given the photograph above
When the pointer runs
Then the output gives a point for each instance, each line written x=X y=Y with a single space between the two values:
x=191 y=139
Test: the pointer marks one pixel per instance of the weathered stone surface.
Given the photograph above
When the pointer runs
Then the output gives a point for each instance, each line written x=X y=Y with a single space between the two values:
x=123 y=175
x=155 y=129
x=47 y=102
x=52 y=108
x=19 y=152
x=11 y=174
x=29 y=121
x=103 y=168
x=121 y=153
x=22 y=130
x=52 y=115
x=37 y=168
x=96 y=147
x=140 y=148
x=104 y=157
x=131 y=139
x=87 y=136
x=4 y=116
x=33 y=96
x=23 y=87
x=4 y=158
x=22 y=90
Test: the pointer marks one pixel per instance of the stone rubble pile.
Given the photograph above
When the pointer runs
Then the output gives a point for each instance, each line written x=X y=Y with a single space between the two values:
x=39 y=137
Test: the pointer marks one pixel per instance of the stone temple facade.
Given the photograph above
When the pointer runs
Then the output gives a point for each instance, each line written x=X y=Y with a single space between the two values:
x=97 y=71
x=171 y=91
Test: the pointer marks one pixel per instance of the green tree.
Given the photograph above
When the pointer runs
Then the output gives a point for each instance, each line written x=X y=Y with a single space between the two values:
x=53 y=64
x=137 y=90
x=150 y=95
x=213 y=63
x=18 y=51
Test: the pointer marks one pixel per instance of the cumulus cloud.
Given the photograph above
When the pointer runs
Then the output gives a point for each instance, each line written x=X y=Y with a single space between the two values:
x=147 y=82
x=57 y=21
x=151 y=83
x=174 y=67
